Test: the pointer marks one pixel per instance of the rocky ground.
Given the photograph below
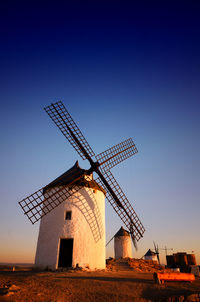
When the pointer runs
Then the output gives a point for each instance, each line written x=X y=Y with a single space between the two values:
x=137 y=265
x=124 y=280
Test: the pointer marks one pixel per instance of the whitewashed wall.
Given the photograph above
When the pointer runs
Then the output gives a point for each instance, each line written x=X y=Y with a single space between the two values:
x=153 y=257
x=87 y=228
x=122 y=247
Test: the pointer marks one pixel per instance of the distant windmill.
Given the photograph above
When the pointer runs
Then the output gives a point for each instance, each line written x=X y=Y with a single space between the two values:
x=157 y=251
x=122 y=244
x=70 y=186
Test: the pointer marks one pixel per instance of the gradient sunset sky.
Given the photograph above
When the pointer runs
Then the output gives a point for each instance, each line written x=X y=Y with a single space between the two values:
x=122 y=69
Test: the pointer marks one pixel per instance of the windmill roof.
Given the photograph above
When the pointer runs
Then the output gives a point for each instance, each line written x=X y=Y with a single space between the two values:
x=122 y=232
x=75 y=175
x=150 y=253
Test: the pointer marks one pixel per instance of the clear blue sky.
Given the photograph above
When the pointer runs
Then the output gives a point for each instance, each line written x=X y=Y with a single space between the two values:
x=122 y=70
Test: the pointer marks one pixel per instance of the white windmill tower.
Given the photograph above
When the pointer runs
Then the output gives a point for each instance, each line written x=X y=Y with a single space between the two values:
x=122 y=244
x=73 y=232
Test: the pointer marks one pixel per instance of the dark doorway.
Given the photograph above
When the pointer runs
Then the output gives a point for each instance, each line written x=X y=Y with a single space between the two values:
x=66 y=252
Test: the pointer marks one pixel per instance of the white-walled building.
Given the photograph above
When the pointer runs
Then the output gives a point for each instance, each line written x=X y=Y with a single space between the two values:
x=122 y=244
x=74 y=232
x=150 y=256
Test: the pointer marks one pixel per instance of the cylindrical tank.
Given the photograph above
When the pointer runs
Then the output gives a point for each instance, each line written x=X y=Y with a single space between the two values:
x=191 y=259
x=73 y=234
x=180 y=259
x=122 y=244
x=170 y=260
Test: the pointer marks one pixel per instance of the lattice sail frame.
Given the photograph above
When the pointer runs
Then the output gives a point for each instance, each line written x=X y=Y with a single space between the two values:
x=136 y=225
x=38 y=204
x=58 y=110
x=118 y=153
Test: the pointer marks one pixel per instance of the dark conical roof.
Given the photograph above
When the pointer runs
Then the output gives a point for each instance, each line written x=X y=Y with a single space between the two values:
x=150 y=253
x=75 y=173
x=122 y=232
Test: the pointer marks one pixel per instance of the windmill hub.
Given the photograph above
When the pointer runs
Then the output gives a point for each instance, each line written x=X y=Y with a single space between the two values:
x=94 y=167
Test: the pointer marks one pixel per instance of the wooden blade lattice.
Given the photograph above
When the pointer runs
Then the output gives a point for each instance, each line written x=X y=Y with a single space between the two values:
x=39 y=204
x=116 y=154
x=63 y=120
x=131 y=220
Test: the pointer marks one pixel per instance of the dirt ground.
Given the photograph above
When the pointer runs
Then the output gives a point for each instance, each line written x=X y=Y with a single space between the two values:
x=78 y=286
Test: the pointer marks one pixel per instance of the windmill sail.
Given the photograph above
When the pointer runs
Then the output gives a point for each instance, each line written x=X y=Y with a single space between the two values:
x=123 y=207
x=118 y=153
x=63 y=120
x=38 y=204
x=44 y=200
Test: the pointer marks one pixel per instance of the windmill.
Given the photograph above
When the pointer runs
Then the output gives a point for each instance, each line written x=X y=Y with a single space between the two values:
x=44 y=201
x=157 y=251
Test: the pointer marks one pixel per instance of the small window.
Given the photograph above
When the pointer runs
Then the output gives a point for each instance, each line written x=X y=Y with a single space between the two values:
x=68 y=215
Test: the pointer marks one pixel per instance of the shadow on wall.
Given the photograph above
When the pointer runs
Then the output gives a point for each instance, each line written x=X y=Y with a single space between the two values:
x=44 y=201
x=87 y=204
